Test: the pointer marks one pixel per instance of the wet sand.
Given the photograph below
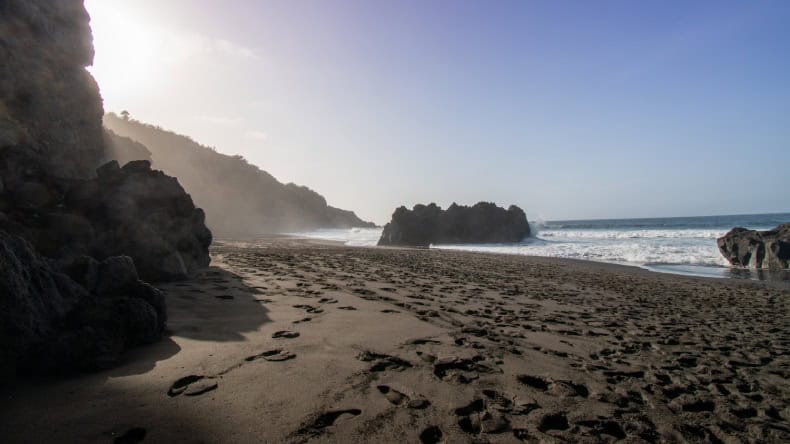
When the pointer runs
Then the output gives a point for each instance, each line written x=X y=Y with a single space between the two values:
x=287 y=340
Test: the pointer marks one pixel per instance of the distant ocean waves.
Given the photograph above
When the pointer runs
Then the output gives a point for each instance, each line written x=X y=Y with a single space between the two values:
x=356 y=237
x=630 y=234
x=683 y=245
x=639 y=251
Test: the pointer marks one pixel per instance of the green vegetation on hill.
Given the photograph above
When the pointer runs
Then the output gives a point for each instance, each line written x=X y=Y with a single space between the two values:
x=239 y=199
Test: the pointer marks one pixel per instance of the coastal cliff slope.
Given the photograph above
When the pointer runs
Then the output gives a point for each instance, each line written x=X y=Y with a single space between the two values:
x=239 y=198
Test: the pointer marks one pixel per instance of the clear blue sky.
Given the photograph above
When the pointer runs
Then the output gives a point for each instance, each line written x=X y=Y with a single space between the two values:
x=570 y=109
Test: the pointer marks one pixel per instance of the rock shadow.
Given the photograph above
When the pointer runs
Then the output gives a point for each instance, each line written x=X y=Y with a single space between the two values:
x=140 y=360
x=215 y=305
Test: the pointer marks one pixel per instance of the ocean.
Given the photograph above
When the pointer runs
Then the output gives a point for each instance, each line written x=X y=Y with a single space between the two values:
x=681 y=245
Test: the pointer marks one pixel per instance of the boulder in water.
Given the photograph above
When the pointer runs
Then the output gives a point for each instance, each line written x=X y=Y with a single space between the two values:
x=429 y=224
x=757 y=249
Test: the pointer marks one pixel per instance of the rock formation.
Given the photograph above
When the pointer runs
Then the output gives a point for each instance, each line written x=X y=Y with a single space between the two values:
x=123 y=149
x=50 y=107
x=144 y=214
x=429 y=224
x=76 y=241
x=71 y=316
x=757 y=249
x=261 y=203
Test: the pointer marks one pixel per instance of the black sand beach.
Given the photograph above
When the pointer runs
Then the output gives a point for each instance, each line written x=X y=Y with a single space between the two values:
x=287 y=340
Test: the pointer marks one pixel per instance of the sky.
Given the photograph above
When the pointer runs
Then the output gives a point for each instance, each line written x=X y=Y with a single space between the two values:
x=569 y=109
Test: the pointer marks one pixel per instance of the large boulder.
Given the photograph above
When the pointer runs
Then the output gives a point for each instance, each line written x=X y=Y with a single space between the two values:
x=757 y=249
x=429 y=224
x=145 y=214
x=63 y=317
x=132 y=211
x=34 y=298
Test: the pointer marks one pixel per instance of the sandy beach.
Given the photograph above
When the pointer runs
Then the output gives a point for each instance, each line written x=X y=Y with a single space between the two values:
x=288 y=340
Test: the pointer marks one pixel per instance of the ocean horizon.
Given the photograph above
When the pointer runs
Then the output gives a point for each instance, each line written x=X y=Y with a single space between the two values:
x=679 y=245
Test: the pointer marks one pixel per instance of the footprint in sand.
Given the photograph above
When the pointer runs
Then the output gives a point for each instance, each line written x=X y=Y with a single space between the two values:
x=349 y=308
x=382 y=362
x=393 y=396
x=421 y=341
x=554 y=421
x=460 y=369
x=225 y=297
x=285 y=334
x=471 y=416
x=192 y=385
x=431 y=435
x=131 y=436
x=598 y=428
x=398 y=398
x=310 y=308
x=328 y=419
x=562 y=389
x=275 y=355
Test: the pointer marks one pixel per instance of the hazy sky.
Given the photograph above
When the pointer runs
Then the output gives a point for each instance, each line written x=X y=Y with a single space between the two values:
x=570 y=109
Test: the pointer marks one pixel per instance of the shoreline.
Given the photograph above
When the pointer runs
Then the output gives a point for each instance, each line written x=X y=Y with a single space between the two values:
x=778 y=279
x=299 y=341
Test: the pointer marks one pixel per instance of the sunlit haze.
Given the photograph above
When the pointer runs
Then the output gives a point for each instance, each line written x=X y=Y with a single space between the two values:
x=568 y=109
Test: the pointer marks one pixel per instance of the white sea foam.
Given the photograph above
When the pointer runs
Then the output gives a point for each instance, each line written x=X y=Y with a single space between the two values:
x=632 y=247
x=639 y=252
x=356 y=237
x=630 y=234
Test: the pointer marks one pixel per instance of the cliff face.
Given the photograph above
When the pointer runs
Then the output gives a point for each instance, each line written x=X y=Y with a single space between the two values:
x=239 y=198
x=429 y=224
x=76 y=241
x=50 y=109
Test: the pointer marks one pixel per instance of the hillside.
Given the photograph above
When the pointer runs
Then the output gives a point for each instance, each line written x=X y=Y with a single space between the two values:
x=239 y=199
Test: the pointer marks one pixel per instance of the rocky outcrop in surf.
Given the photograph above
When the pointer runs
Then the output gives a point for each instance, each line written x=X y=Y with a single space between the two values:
x=757 y=249
x=429 y=224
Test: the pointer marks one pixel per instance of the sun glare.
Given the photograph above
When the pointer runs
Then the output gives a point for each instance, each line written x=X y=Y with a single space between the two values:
x=126 y=49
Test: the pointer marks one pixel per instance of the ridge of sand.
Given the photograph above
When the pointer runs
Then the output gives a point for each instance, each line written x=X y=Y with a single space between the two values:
x=284 y=340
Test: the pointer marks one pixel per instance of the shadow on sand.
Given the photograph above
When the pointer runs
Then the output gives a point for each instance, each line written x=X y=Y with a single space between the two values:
x=216 y=305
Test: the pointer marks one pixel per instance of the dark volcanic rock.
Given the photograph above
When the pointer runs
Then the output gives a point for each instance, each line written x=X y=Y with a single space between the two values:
x=757 y=249
x=131 y=211
x=74 y=242
x=146 y=215
x=33 y=298
x=429 y=224
x=52 y=324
